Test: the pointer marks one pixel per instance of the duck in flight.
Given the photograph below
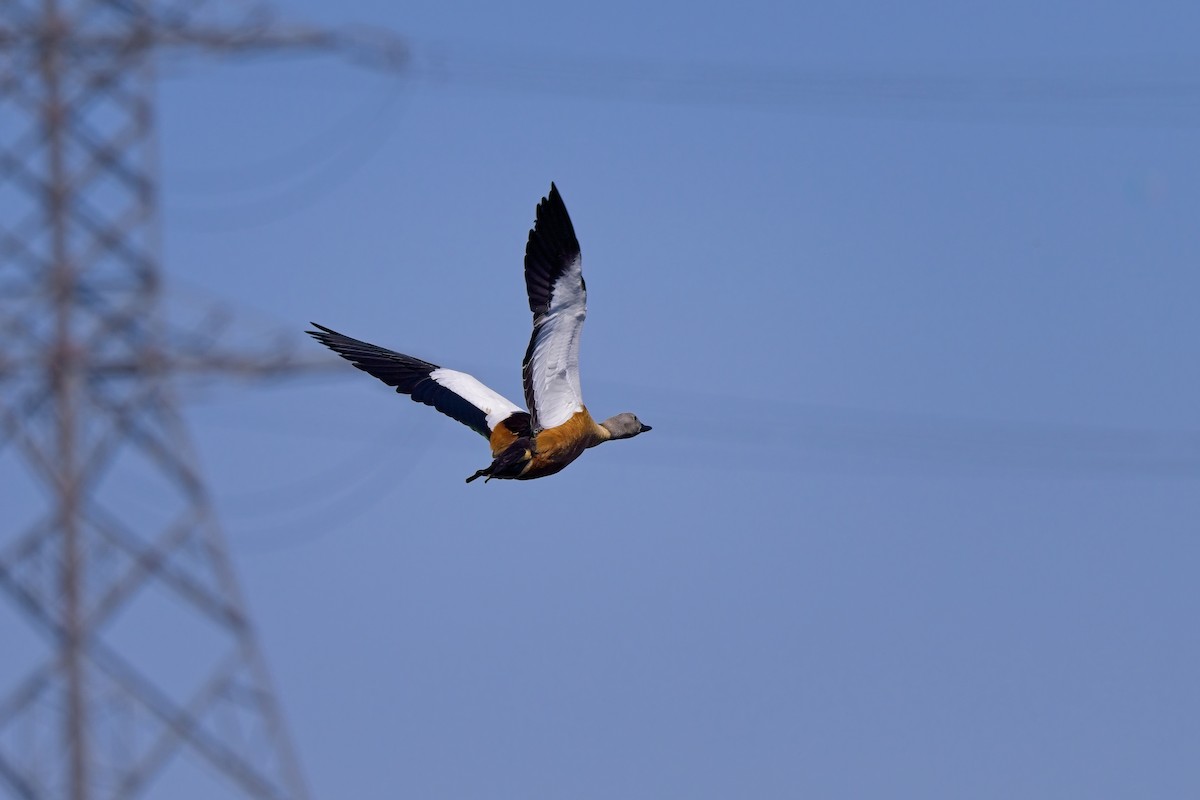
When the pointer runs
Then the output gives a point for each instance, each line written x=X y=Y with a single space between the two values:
x=557 y=428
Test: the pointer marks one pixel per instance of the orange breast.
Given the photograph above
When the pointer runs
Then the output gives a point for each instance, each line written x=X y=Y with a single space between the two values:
x=557 y=447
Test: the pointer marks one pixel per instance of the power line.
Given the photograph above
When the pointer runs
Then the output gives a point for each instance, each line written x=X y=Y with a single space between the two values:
x=308 y=183
x=1145 y=93
x=862 y=439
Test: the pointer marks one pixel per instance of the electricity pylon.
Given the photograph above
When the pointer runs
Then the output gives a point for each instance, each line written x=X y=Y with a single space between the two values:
x=126 y=536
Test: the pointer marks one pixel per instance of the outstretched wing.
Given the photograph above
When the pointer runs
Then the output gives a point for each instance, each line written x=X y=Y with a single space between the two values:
x=558 y=300
x=455 y=394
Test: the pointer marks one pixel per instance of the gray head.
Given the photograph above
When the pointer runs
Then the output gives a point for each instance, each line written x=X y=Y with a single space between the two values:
x=624 y=426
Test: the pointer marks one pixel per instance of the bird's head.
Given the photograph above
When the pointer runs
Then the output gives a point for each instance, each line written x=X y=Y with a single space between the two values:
x=624 y=426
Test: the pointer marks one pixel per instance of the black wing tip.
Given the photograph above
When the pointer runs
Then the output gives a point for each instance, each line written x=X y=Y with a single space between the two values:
x=552 y=227
x=552 y=201
x=365 y=355
x=322 y=333
x=550 y=249
x=339 y=342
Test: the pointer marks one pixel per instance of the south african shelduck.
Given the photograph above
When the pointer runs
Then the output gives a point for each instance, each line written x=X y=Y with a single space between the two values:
x=557 y=428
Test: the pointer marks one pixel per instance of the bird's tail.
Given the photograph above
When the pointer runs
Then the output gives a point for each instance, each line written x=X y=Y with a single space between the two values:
x=510 y=463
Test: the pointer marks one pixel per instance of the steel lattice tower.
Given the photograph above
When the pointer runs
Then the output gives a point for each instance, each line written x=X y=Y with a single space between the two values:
x=87 y=407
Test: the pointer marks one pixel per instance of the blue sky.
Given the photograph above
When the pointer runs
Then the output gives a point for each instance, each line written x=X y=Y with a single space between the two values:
x=908 y=295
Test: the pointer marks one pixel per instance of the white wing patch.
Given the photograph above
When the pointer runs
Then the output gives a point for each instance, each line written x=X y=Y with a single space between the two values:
x=495 y=406
x=555 y=352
